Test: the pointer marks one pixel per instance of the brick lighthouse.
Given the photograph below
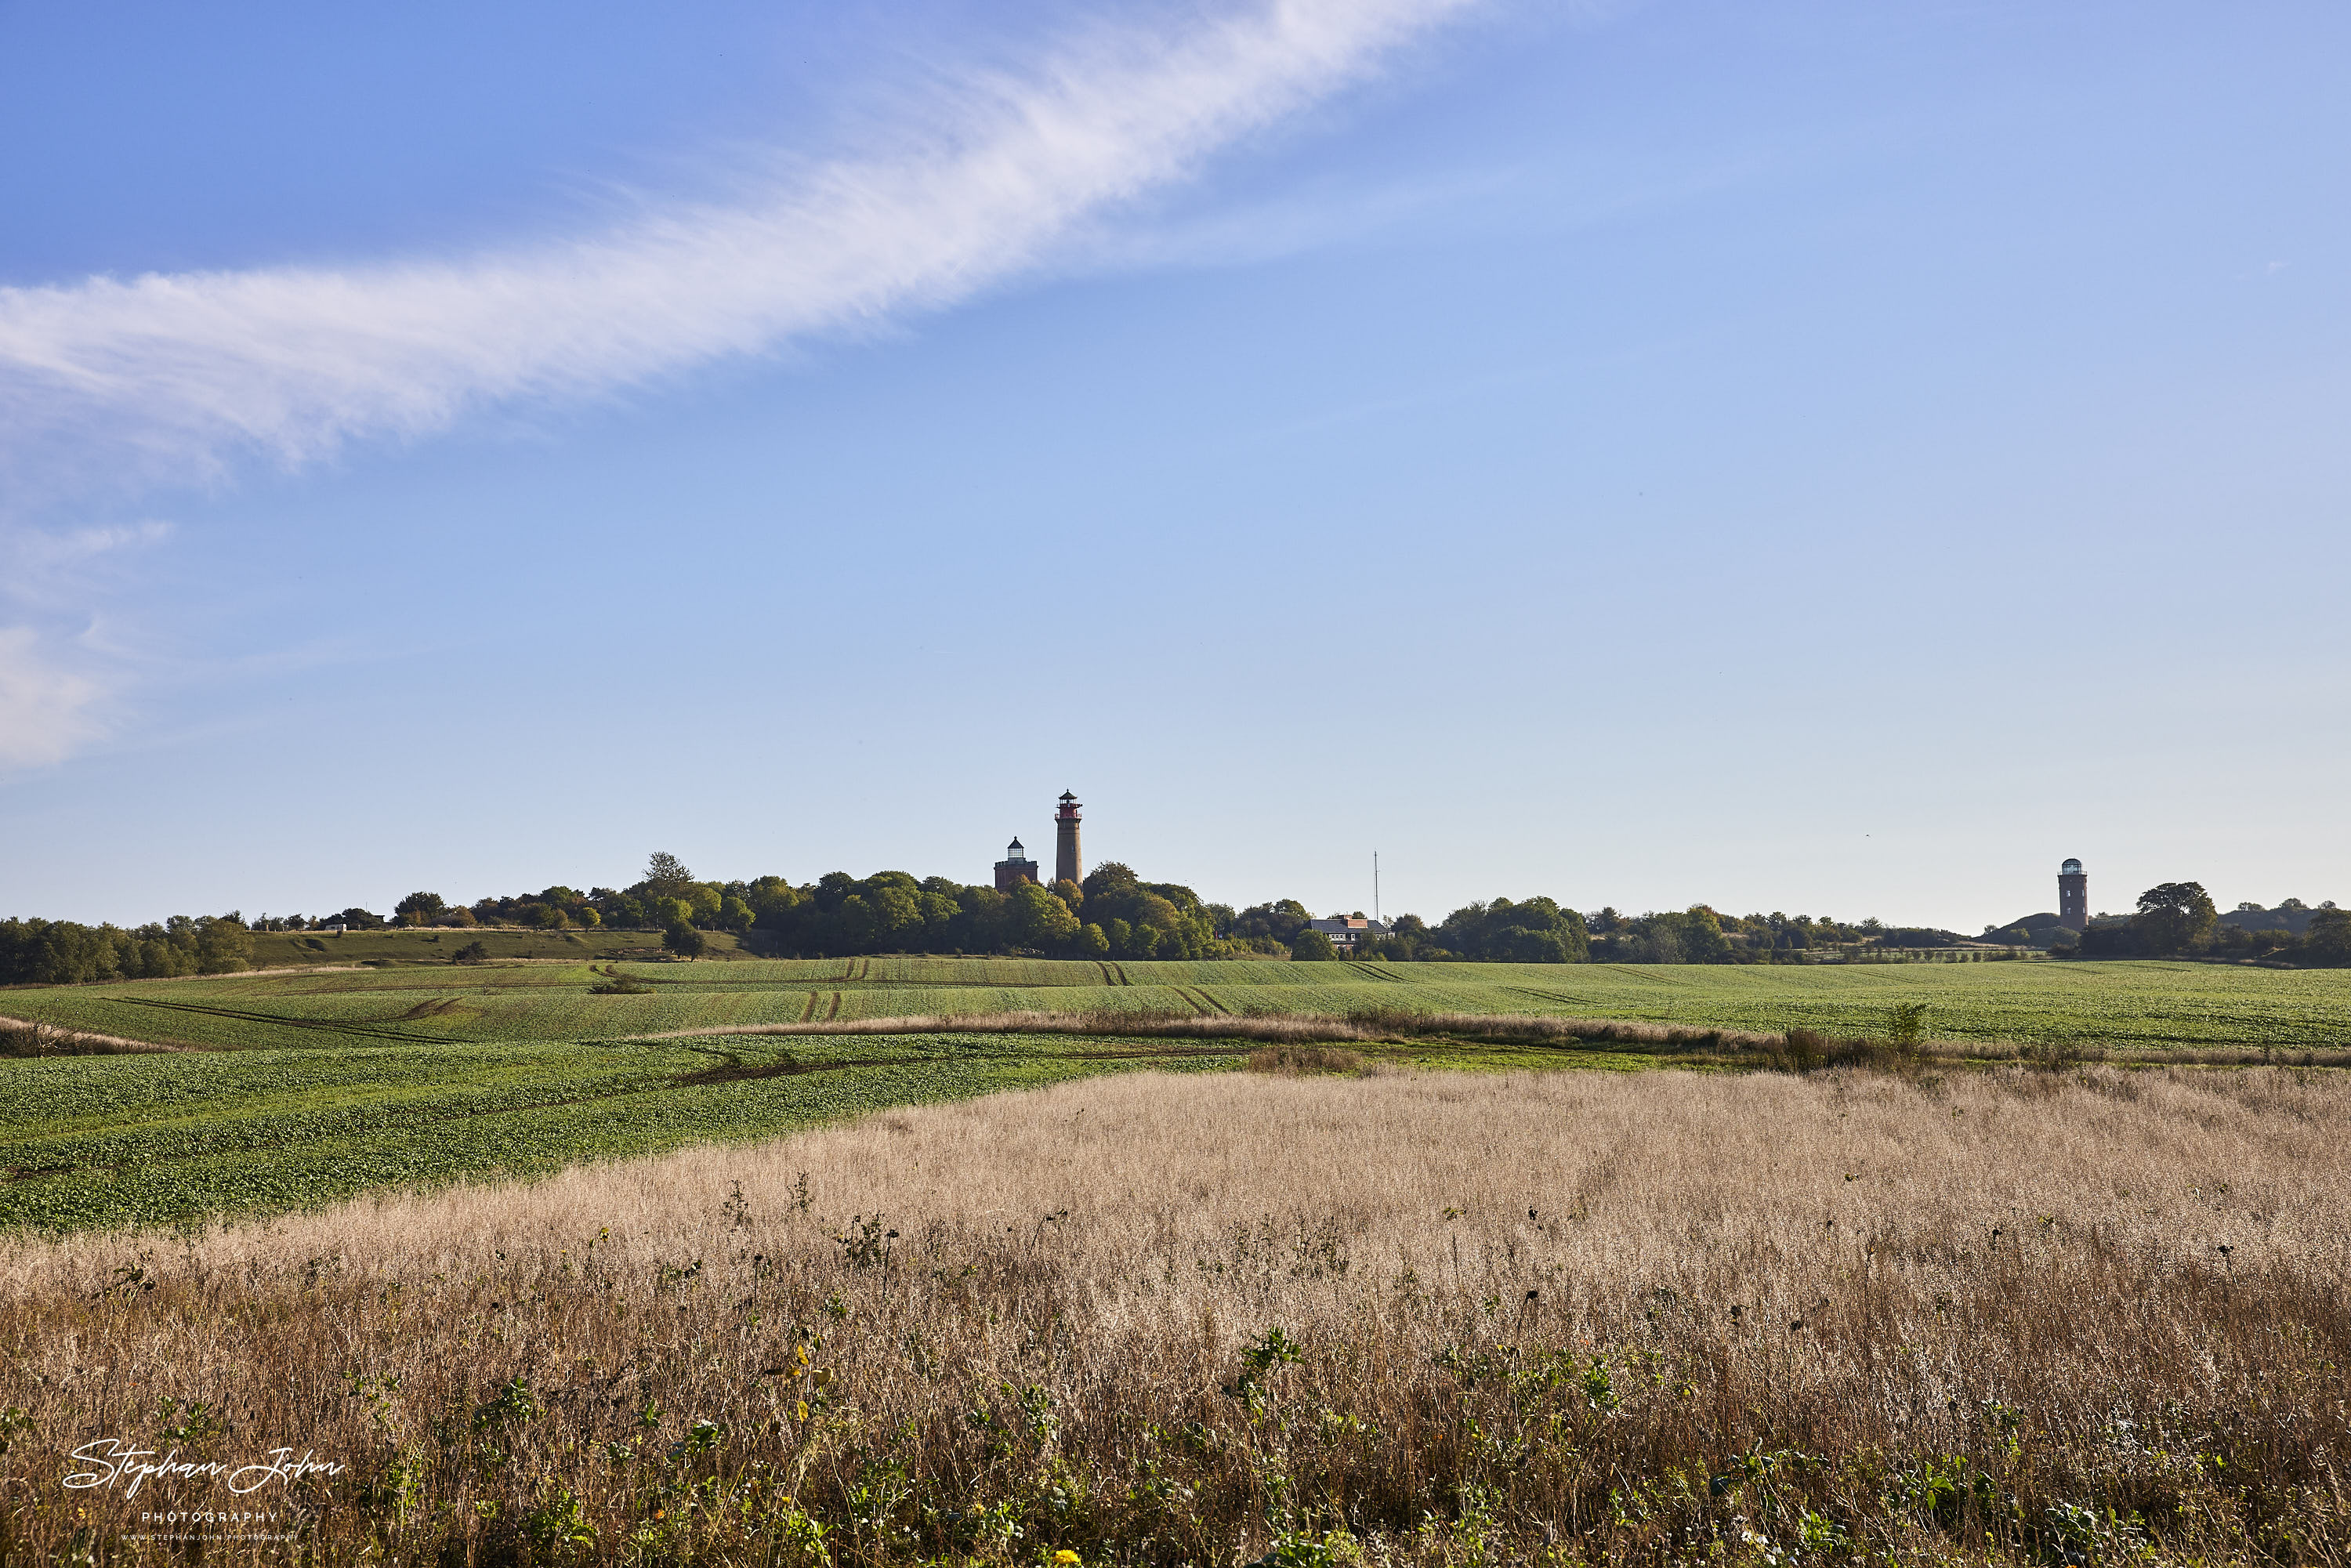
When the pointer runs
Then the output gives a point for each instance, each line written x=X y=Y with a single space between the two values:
x=2073 y=896
x=1067 y=865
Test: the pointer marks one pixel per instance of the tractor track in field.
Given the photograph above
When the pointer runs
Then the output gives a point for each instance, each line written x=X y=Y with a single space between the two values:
x=1551 y=997
x=1377 y=973
x=1122 y=974
x=369 y=1030
x=809 y=1011
x=835 y=1011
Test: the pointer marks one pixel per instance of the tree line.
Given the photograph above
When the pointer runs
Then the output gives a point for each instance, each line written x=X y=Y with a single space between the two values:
x=1113 y=913
x=2180 y=920
x=61 y=953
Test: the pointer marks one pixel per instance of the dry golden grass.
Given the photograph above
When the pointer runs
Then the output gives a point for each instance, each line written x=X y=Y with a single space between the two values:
x=24 y=1036
x=1411 y=1317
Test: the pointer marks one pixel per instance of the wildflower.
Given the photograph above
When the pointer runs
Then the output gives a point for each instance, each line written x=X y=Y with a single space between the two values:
x=1065 y=1555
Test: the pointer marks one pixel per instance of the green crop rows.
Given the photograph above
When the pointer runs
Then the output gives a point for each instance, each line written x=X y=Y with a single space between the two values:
x=2133 y=1007
x=306 y=1087
x=116 y=1140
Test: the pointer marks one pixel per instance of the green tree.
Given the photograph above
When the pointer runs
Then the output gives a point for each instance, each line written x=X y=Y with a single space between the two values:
x=2328 y=941
x=2175 y=916
x=223 y=946
x=1093 y=942
x=1311 y=947
x=419 y=909
x=1039 y=920
x=897 y=917
x=665 y=875
x=940 y=912
x=685 y=941
x=1110 y=877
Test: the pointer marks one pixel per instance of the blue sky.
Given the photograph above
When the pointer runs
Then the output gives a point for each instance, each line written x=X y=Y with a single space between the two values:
x=1833 y=457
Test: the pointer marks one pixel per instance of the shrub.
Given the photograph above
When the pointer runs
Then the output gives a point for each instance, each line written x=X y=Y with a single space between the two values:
x=1312 y=948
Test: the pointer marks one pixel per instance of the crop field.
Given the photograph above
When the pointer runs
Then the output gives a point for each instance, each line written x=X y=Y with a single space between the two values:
x=2128 y=1007
x=285 y=1089
x=115 y=1140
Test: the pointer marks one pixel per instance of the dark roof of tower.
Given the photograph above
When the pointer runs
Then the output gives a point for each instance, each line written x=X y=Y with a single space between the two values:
x=2071 y=867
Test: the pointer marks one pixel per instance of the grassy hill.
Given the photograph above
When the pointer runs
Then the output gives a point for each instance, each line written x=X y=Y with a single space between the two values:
x=290 y=949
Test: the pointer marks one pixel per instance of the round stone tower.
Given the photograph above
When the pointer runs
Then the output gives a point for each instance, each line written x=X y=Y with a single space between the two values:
x=1067 y=864
x=2073 y=896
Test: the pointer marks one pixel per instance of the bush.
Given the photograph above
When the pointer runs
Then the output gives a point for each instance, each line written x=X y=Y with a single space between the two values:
x=471 y=953
x=684 y=941
x=1312 y=948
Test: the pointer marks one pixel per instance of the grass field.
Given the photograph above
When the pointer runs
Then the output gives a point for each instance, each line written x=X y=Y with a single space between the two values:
x=1409 y=1321
x=289 y=1089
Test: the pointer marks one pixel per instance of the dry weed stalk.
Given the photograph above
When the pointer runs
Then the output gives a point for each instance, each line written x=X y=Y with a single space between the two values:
x=1424 y=1318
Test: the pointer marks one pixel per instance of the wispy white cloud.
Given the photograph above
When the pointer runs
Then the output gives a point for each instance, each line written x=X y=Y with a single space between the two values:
x=58 y=667
x=39 y=562
x=47 y=710
x=178 y=374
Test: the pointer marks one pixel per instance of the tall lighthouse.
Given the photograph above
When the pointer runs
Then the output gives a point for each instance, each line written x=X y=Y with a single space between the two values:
x=1067 y=865
x=2073 y=896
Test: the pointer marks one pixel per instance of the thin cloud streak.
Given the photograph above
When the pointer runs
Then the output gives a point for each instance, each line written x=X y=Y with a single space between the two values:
x=175 y=376
x=47 y=711
x=56 y=664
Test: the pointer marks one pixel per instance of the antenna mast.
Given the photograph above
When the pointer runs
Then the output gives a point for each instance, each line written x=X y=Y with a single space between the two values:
x=1375 y=885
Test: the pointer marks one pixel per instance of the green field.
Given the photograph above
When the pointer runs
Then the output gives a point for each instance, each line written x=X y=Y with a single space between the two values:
x=112 y=1140
x=306 y=1086
x=2135 y=1007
